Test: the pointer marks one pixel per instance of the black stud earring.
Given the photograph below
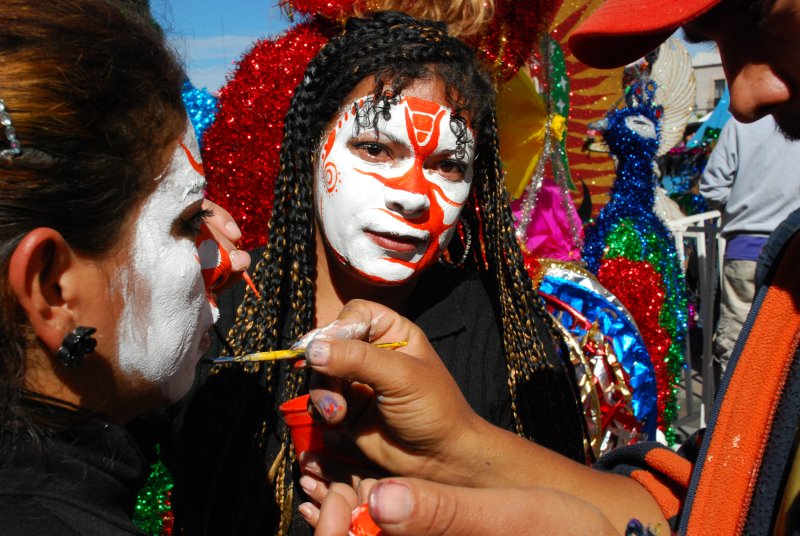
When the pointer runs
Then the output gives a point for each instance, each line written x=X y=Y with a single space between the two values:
x=76 y=344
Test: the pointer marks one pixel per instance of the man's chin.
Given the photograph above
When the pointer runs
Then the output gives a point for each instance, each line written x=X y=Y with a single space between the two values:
x=789 y=127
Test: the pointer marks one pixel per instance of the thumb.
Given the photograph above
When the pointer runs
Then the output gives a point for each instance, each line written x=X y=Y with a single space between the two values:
x=386 y=371
x=412 y=507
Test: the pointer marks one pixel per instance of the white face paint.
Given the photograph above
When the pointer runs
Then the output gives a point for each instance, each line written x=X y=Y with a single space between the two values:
x=388 y=197
x=166 y=313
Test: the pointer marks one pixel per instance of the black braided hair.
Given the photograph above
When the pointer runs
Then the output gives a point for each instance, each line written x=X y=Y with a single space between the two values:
x=395 y=50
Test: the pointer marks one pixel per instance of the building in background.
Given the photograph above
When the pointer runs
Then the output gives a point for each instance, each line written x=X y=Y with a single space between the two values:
x=710 y=81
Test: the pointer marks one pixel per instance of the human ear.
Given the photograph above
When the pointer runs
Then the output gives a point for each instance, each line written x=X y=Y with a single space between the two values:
x=37 y=269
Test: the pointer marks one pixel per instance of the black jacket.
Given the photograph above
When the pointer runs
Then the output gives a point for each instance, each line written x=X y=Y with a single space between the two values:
x=80 y=479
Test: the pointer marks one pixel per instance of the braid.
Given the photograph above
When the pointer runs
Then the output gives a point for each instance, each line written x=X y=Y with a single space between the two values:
x=395 y=50
x=544 y=401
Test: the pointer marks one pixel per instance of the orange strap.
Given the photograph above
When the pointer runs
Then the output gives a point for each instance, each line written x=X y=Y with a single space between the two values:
x=744 y=422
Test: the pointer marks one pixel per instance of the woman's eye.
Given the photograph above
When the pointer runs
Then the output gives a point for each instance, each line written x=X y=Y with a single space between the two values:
x=192 y=224
x=452 y=170
x=373 y=152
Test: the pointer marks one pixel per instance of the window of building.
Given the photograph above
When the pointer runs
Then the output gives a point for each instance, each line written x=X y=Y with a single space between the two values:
x=719 y=90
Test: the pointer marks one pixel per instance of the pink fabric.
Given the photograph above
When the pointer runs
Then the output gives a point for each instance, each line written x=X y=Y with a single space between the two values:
x=549 y=234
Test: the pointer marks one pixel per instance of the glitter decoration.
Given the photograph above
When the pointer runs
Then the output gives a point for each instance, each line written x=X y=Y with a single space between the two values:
x=547 y=223
x=201 y=107
x=580 y=291
x=517 y=26
x=681 y=170
x=638 y=286
x=153 y=510
x=241 y=149
x=559 y=100
x=632 y=251
x=14 y=147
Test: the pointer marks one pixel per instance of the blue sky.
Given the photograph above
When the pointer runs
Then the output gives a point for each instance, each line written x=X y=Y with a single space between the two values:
x=212 y=34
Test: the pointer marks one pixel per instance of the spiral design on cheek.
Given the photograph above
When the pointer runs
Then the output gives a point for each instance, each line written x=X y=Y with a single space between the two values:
x=331 y=176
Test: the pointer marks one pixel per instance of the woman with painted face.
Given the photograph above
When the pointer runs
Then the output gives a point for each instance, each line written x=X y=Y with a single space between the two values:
x=104 y=309
x=391 y=190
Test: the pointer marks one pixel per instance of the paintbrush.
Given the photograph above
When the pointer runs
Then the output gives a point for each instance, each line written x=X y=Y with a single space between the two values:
x=249 y=281
x=277 y=355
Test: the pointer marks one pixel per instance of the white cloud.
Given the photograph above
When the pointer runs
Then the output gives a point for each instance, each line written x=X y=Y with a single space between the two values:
x=205 y=49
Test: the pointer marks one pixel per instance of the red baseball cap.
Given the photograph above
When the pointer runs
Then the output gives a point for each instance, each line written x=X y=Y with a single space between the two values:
x=622 y=31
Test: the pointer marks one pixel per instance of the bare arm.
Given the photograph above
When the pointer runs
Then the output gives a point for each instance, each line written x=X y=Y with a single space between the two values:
x=413 y=507
x=416 y=423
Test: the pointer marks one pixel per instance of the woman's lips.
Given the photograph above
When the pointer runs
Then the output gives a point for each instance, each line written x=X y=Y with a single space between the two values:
x=401 y=244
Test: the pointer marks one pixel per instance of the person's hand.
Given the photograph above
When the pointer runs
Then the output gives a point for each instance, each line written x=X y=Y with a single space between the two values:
x=336 y=499
x=227 y=234
x=400 y=407
x=413 y=507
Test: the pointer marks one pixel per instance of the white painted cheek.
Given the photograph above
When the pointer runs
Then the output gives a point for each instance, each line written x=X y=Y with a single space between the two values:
x=339 y=208
x=165 y=302
x=181 y=312
x=456 y=192
x=165 y=310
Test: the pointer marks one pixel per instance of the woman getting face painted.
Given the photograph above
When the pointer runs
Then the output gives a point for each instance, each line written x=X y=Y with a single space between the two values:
x=389 y=188
x=389 y=171
x=107 y=262
x=167 y=314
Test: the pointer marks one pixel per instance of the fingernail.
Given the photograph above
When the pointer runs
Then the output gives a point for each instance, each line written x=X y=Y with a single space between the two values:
x=238 y=260
x=309 y=464
x=328 y=406
x=233 y=231
x=390 y=502
x=308 y=484
x=318 y=352
x=306 y=339
x=308 y=510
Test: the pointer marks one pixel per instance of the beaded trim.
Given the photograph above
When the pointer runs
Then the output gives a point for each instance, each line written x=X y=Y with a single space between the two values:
x=15 y=149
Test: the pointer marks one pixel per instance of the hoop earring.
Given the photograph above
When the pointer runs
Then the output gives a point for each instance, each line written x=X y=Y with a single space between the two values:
x=467 y=245
x=76 y=344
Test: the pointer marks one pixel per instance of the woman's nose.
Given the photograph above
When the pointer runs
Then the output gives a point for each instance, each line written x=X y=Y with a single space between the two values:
x=409 y=204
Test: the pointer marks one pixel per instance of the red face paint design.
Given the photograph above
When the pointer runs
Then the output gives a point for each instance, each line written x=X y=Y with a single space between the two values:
x=389 y=197
x=215 y=264
x=197 y=166
x=423 y=124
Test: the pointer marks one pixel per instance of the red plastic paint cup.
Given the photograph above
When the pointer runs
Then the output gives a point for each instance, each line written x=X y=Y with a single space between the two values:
x=306 y=432
x=361 y=523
